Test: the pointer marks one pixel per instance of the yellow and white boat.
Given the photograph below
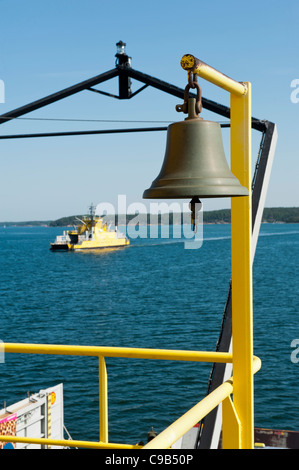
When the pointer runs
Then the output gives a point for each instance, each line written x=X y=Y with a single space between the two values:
x=91 y=234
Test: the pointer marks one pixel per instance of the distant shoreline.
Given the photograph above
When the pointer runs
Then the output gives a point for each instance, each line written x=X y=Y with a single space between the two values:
x=271 y=215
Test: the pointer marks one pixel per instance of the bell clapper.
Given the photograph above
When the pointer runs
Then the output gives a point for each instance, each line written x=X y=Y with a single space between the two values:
x=195 y=205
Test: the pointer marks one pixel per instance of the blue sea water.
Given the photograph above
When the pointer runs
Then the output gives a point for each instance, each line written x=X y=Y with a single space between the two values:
x=153 y=294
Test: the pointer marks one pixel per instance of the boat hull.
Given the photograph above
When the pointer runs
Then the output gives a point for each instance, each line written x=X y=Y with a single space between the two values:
x=59 y=247
x=87 y=246
x=95 y=245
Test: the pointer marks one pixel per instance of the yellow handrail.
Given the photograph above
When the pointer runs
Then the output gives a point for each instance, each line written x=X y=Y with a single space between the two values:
x=176 y=430
x=170 y=435
x=182 y=425
x=107 y=351
x=68 y=443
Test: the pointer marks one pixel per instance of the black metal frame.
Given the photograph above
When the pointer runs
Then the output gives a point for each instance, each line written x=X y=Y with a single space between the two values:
x=125 y=73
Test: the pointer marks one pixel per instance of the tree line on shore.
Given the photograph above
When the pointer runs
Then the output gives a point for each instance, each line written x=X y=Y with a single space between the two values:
x=288 y=215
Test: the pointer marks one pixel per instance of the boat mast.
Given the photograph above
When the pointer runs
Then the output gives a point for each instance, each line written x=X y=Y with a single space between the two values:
x=92 y=219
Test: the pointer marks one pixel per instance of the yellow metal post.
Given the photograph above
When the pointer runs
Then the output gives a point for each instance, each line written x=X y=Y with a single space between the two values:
x=241 y=231
x=231 y=428
x=103 y=400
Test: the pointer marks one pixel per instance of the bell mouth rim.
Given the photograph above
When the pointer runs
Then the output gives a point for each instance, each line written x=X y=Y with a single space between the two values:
x=201 y=187
x=201 y=196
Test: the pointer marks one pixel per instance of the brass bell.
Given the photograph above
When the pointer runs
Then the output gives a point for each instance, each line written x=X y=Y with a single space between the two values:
x=194 y=162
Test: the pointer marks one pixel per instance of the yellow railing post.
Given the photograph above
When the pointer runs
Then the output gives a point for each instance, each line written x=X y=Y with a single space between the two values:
x=241 y=251
x=242 y=336
x=103 y=400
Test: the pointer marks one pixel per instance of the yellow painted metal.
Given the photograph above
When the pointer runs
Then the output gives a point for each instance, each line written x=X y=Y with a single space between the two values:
x=196 y=66
x=241 y=259
x=241 y=231
x=231 y=426
x=67 y=443
x=176 y=430
x=171 y=434
x=182 y=425
x=103 y=400
x=106 y=351
x=101 y=353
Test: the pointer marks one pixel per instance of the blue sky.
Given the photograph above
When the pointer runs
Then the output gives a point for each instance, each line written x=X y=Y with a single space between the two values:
x=47 y=46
